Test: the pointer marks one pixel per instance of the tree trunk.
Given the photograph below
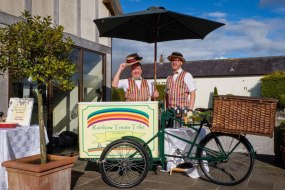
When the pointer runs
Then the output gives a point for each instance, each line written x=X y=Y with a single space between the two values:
x=41 y=124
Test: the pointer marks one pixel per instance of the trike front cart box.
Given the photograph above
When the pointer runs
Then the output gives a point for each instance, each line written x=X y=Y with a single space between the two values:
x=101 y=123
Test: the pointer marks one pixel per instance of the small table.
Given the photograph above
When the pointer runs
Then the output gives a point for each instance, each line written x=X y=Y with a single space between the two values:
x=17 y=143
x=172 y=144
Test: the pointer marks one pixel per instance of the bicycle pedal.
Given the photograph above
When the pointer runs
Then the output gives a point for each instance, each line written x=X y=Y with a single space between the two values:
x=177 y=170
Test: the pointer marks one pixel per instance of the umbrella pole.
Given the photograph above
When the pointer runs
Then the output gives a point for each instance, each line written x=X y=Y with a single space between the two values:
x=155 y=55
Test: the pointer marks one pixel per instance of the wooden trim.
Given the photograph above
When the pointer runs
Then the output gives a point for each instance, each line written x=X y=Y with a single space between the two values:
x=113 y=6
x=104 y=62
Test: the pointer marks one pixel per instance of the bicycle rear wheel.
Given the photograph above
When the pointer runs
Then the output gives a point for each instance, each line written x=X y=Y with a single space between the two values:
x=225 y=159
x=124 y=164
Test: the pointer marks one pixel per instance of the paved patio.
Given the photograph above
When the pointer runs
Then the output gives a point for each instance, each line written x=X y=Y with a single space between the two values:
x=266 y=175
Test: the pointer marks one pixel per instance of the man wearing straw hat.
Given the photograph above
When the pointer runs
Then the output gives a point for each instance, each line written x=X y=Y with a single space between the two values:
x=180 y=86
x=136 y=88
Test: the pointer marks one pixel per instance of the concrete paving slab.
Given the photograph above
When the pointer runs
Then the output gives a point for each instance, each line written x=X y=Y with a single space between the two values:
x=260 y=185
x=243 y=185
x=266 y=175
x=202 y=183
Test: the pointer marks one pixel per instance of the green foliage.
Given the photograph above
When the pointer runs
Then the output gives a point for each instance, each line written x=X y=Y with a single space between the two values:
x=273 y=86
x=282 y=127
x=161 y=90
x=118 y=95
x=282 y=100
x=36 y=49
x=215 y=91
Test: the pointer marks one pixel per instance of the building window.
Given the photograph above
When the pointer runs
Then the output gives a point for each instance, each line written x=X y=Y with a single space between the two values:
x=64 y=104
x=92 y=77
x=89 y=82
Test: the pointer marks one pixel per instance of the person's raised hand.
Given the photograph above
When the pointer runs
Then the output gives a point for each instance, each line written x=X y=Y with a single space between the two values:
x=122 y=66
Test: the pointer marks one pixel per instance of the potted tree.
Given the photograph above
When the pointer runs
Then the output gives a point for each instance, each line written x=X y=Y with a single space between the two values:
x=33 y=48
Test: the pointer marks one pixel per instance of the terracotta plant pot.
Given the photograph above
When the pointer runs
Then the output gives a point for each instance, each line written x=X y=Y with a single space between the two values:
x=25 y=173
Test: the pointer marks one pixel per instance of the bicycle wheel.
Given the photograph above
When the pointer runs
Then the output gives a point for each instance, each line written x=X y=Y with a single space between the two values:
x=225 y=159
x=124 y=164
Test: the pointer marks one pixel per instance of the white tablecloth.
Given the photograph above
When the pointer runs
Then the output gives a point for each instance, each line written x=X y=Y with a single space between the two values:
x=174 y=146
x=17 y=143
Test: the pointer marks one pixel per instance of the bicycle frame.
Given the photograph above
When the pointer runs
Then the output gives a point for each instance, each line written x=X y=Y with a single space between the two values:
x=161 y=134
x=225 y=159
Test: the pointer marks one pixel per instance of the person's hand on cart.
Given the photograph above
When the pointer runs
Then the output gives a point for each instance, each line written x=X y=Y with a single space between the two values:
x=155 y=94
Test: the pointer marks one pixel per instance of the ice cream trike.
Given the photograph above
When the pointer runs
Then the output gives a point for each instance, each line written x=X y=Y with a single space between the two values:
x=127 y=139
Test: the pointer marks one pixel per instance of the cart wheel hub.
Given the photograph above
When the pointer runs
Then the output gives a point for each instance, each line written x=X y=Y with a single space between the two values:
x=124 y=164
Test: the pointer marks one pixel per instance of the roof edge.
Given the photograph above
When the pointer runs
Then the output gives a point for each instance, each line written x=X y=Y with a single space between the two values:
x=113 y=6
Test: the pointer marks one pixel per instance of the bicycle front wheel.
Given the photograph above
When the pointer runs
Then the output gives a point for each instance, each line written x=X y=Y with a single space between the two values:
x=124 y=164
x=225 y=159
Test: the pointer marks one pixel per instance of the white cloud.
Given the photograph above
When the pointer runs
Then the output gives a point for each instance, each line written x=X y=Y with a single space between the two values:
x=244 y=38
x=217 y=14
x=221 y=57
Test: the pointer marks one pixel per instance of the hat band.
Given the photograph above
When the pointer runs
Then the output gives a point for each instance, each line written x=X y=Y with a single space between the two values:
x=177 y=54
x=131 y=60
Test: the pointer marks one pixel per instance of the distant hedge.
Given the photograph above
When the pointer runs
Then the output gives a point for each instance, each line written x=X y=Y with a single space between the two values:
x=161 y=89
x=273 y=86
x=118 y=95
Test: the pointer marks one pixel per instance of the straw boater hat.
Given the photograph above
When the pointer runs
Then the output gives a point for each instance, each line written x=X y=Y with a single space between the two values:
x=132 y=59
x=176 y=55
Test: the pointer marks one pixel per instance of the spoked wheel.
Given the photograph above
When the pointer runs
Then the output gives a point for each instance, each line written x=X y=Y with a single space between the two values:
x=225 y=159
x=124 y=164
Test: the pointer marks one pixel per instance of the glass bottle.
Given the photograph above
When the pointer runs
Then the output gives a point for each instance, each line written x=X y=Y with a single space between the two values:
x=178 y=112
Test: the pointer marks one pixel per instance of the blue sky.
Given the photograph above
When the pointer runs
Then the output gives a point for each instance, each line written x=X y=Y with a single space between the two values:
x=253 y=28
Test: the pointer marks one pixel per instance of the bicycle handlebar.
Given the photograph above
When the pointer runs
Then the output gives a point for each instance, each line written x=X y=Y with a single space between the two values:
x=201 y=116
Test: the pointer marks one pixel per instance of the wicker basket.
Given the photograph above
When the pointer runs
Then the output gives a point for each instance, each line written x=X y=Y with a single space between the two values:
x=244 y=115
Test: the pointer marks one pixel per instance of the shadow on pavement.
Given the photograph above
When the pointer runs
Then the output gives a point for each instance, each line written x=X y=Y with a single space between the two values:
x=270 y=159
x=92 y=166
x=75 y=177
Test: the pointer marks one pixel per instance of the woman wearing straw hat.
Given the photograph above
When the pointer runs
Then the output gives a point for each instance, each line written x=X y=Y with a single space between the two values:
x=136 y=88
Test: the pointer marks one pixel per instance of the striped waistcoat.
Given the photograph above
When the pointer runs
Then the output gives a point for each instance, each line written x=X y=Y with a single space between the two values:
x=177 y=91
x=136 y=94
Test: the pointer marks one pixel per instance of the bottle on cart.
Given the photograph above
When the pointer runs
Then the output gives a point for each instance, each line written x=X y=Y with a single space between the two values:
x=178 y=112
x=184 y=114
x=184 y=111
